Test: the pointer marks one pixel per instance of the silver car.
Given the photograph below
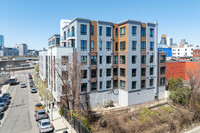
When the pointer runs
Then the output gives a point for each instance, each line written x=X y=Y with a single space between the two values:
x=41 y=114
x=23 y=85
x=33 y=90
x=45 y=126
x=2 y=107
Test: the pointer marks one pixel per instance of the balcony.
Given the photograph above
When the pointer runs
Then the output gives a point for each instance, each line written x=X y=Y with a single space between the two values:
x=70 y=36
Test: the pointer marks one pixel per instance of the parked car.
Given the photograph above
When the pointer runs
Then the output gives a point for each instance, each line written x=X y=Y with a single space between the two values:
x=45 y=126
x=31 y=84
x=6 y=95
x=5 y=101
x=38 y=106
x=23 y=85
x=2 y=107
x=41 y=114
x=33 y=90
x=30 y=76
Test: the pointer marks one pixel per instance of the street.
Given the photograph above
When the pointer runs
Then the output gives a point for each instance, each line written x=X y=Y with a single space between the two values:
x=19 y=117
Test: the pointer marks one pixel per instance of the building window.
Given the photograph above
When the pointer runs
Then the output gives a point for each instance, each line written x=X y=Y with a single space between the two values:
x=115 y=83
x=134 y=84
x=151 y=58
x=162 y=70
x=108 y=84
x=100 y=59
x=151 y=82
x=143 y=46
x=83 y=45
x=100 y=45
x=134 y=59
x=162 y=59
x=91 y=30
x=122 y=84
x=100 y=30
x=108 y=72
x=122 y=60
x=143 y=71
x=134 y=30
x=122 y=72
x=93 y=86
x=65 y=75
x=65 y=60
x=115 y=72
x=108 y=59
x=162 y=81
x=65 y=35
x=151 y=46
x=83 y=29
x=73 y=31
x=134 y=45
x=143 y=84
x=108 y=31
x=100 y=85
x=116 y=46
x=93 y=60
x=83 y=87
x=143 y=31
x=151 y=71
x=151 y=32
x=133 y=72
x=123 y=46
x=143 y=60
x=92 y=46
x=115 y=59
x=83 y=60
x=108 y=46
x=93 y=73
x=100 y=72
x=84 y=74
x=122 y=31
x=116 y=32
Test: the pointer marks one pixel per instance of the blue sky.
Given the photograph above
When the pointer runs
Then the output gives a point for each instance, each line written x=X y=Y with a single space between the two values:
x=34 y=21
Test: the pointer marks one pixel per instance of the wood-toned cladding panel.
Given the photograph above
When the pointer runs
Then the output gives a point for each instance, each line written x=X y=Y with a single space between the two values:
x=94 y=36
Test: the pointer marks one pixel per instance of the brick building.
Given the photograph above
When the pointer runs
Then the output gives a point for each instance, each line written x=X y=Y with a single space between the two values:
x=196 y=54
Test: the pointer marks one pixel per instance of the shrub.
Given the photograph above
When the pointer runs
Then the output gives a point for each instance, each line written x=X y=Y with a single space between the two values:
x=60 y=111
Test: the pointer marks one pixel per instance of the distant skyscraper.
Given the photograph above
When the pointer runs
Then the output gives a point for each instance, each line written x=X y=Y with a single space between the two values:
x=163 y=39
x=1 y=41
x=23 y=49
x=169 y=41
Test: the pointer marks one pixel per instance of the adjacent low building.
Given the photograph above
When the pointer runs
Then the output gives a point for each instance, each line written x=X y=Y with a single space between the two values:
x=196 y=54
x=43 y=64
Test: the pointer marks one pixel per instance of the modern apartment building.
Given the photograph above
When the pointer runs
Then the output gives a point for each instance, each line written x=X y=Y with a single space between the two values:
x=43 y=64
x=23 y=50
x=121 y=61
x=183 y=51
x=54 y=40
x=1 y=41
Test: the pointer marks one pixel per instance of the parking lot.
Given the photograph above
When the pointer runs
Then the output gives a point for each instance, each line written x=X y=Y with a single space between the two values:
x=19 y=116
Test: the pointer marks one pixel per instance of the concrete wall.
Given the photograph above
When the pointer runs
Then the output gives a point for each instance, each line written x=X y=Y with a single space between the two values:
x=123 y=97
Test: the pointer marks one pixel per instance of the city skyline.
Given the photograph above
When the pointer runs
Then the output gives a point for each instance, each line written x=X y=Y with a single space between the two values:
x=33 y=24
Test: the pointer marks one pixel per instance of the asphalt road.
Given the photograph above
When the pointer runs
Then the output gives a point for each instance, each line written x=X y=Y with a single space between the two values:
x=19 y=117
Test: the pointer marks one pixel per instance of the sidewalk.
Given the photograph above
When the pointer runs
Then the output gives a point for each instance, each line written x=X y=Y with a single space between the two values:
x=4 y=88
x=59 y=123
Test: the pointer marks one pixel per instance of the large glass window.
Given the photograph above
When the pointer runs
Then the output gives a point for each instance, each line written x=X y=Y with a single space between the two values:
x=93 y=86
x=134 y=45
x=108 y=31
x=143 y=84
x=115 y=72
x=100 y=85
x=108 y=72
x=100 y=30
x=83 y=87
x=83 y=29
x=143 y=46
x=64 y=35
x=151 y=32
x=115 y=83
x=93 y=60
x=151 y=71
x=83 y=60
x=134 y=30
x=116 y=32
x=115 y=59
x=143 y=31
x=143 y=60
x=133 y=72
x=162 y=70
x=122 y=84
x=151 y=82
x=100 y=59
x=151 y=46
x=162 y=59
x=116 y=46
x=92 y=46
x=108 y=84
x=73 y=34
x=108 y=46
x=122 y=31
x=100 y=72
x=143 y=71
x=122 y=72
x=122 y=59
x=134 y=59
x=134 y=84
x=151 y=58
x=91 y=30
x=100 y=45
x=83 y=45
x=162 y=81
x=84 y=74
x=123 y=46
x=93 y=73
x=108 y=59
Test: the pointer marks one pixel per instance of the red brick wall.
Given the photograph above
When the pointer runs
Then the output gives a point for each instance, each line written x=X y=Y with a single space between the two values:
x=182 y=69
